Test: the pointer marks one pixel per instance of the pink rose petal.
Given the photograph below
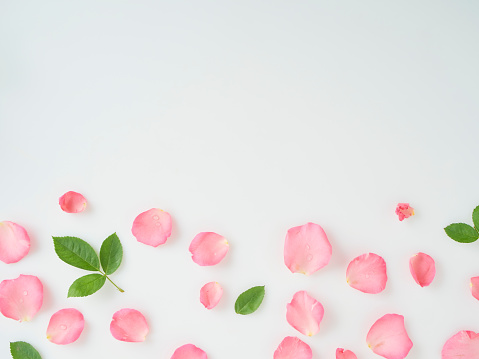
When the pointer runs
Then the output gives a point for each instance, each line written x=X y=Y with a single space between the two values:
x=72 y=202
x=367 y=273
x=152 y=227
x=65 y=326
x=14 y=242
x=304 y=313
x=423 y=269
x=129 y=325
x=388 y=337
x=345 y=354
x=463 y=345
x=306 y=249
x=189 y=351
x=475 y=287
x=208 y=248
x=403 y=210
x=293 y=348
x=21 y=298
x=210 y=294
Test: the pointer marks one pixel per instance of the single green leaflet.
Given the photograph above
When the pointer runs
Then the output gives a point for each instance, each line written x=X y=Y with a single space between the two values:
x=249 y=300
x=462 y=232
x=111 y=253
x=475 y=218
x=77 y=253
x=86 y=285
x=23 y=350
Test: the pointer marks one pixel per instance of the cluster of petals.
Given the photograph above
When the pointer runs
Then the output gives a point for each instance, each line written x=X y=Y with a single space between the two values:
x=464 y=344
x=423 y=269
x=475 y=287
x=65 y=326
x=293 y=348
x=304 y=313
x=72 y=202
x=152 y=227
x=189 y=351
x=345 y=354
x=129 y=325
x=208 y=248
x=404 y=210
x=14 y=242
x=21 y=298
x=367 y=273
x=210 y=294
x=306 y=249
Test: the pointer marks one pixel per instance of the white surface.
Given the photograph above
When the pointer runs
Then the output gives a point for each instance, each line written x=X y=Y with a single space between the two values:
x=244 y=118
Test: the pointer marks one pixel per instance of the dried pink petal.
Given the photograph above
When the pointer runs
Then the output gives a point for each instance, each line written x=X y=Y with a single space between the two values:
x=208 y=248
x=367 y=273
x=304 y=313
x=388 y=337
x=306 y=249
x=14 y=242
x=475 y=287
x=423 y=269
x=403 y=210
x=72 y=202
x=189 y=351
x=345 y=354
x=129 y=325
x=21 y=298
x=152 y=227
x=65 y=326
x=293 y=348
x=210 y=294
x=463 y=345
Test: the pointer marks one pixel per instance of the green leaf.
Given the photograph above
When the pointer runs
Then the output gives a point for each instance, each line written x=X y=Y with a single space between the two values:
x=250 y=300
x=23 y=350
x=475 y=217
x=462 y=232
x=76 y=252
x=111 y=253
x=86 y=285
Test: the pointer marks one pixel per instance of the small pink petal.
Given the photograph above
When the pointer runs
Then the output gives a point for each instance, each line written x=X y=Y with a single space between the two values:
x=152 y=227
x=475 y=287
x=367 y=273
x=304 y=313
x=129 y=325
x=189 y=351
x=293 y=348
x=345 y=354
x=464 y=345
x=306 y=249
x=403 y=210
x=423 y=269
x=65 y=326
x=21 y=298
x=72 y=202
x=210 y=294
x=208 y=248
x=388 y=337
x=14 y=242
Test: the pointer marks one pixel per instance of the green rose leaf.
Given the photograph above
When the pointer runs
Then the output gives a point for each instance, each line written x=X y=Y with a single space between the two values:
x=475 y=218
x=76 y=252
x=462 y=232
x=86 y=285
x=250 y=300
x=111 y=253
x=23 y=350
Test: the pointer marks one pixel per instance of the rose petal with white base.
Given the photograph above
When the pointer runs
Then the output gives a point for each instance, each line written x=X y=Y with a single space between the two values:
x=189 y=351
x=463 y=345
x=210 y=294
x=422 y=268
x=152 y=227
x=72 y=202
x=14 y=242
x=304 y=313
x=65 y=326
x=367 y=273
x=293 y=348
x=21 y=298
x=129 y=325
x=208 y=248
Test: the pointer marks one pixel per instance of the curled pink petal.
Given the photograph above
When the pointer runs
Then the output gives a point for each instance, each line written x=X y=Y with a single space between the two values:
x=14 y=242
x=293 y=348
x=189 y=351
x=304 y=313
x=129 y=325
x=65 y=326
x=404 y=210
x=21 y=298
x=306 y=249
x=72 y=202
x=208 y=248
x=388 y=337
x=475 y=287
x=345 y=354
x=463 y=345
x=367 y=273
x=210 y=294
x=423 y=269
x=152 y=227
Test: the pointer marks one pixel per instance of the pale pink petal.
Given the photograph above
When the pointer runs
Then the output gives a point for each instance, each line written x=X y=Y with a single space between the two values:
x=208 y=248
x=404 y=210
x=72 y=202
x=423 y=269
x=304 y=313
x=388 y=337
x=293 y=348
x=345 y=354
x=21 y=298
x=367 y=273
x=463 y=345
x=306 y=249
x=14 y=242
x=129 y=325
x=475 y=287
x=189 y=351
x=152 y=227
x=210 y=294
x=65 y=326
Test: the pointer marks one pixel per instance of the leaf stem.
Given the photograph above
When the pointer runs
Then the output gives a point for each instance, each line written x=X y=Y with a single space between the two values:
x=117 y=287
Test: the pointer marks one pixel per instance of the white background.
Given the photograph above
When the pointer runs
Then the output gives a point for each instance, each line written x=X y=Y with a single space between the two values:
x=245 y=118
